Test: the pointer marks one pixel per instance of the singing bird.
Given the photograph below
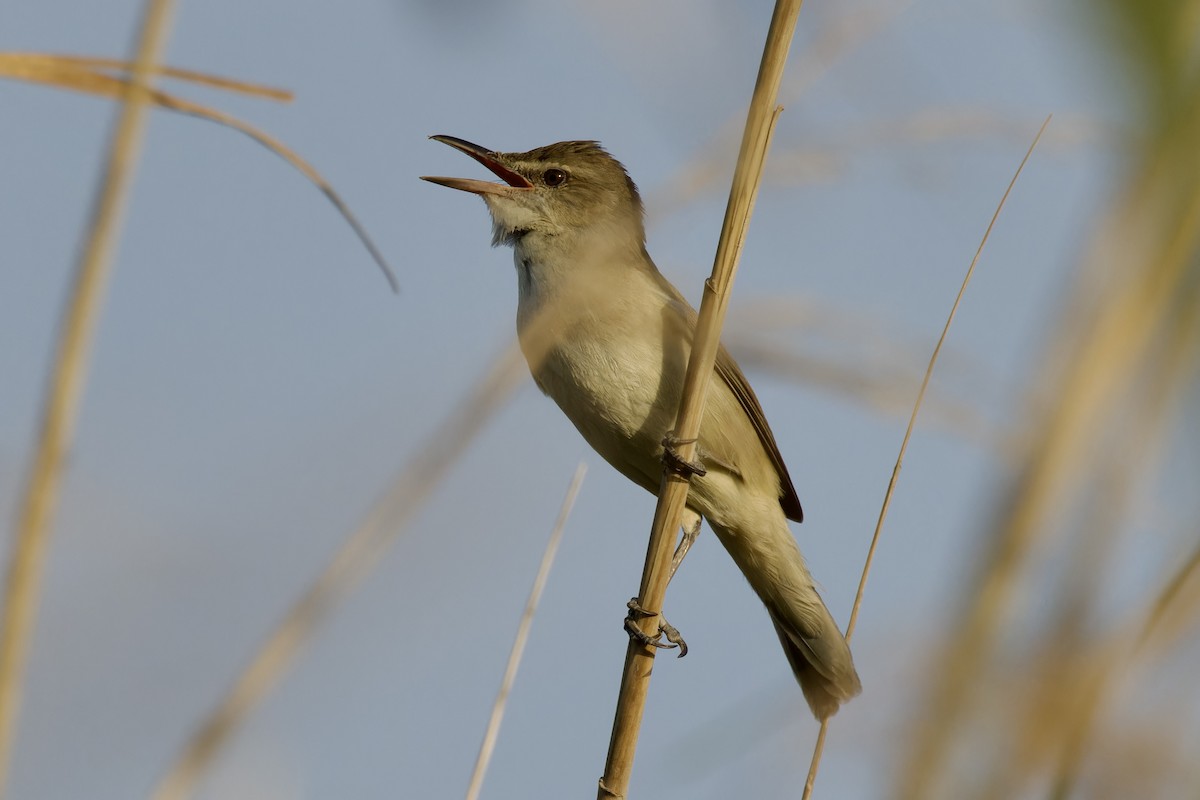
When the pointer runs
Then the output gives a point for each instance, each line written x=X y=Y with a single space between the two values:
x=615 y=351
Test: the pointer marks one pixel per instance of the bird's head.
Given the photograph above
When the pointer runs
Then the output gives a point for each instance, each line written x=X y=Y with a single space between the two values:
x=559 y=190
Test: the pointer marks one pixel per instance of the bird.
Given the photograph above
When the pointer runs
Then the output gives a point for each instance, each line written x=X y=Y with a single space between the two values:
x=611 y=350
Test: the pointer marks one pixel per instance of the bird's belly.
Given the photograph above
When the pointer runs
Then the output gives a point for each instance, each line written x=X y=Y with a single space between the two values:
x=617 y=394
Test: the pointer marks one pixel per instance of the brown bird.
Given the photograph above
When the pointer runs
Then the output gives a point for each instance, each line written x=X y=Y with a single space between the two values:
x=621 y=337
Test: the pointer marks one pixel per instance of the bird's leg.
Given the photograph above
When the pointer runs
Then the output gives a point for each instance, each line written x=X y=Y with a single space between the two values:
x=676 y=463
x=665 y=628
x=691 y=529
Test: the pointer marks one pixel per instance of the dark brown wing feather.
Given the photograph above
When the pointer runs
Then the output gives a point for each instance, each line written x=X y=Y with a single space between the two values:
x=729 y=371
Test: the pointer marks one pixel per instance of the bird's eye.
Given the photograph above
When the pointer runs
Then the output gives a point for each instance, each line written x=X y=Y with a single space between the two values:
x=554 y=177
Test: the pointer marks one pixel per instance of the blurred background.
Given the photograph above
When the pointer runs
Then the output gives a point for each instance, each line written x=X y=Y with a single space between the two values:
x=1029 y=628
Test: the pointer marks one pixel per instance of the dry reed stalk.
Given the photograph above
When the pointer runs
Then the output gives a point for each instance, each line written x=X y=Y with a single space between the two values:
x=82 y=72
x=1139 y=272
x=492 y=732
x=92 y=76
x=639 y=659
x=65 y=388
x=819 y=748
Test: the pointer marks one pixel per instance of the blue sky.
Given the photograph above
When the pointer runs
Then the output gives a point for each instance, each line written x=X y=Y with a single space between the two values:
x=255 y=386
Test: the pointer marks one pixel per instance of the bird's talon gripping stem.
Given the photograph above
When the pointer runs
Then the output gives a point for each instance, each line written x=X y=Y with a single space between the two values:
x=674 y=637
x=636 y=611
x=674 y=640
x=676 y=463
x=636 y=634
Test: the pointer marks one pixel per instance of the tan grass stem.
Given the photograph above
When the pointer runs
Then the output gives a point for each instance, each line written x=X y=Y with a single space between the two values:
x=639 y=659
x=492 y=732
x=74 y=72
x=818 y=749
x=91 y=76
x=60 y=409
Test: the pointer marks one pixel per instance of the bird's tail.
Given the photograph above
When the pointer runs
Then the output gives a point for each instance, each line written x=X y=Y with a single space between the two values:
x=815 y=648
x=823 y=665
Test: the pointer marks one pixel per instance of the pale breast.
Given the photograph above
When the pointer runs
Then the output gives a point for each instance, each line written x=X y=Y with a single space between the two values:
x=608 y=378
x=616 y=354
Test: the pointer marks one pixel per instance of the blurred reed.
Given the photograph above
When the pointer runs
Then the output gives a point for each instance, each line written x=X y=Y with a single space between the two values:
x=106 y=77
x=64 y=390
x=1034 y=687
x=492 y=732
x=131 y=83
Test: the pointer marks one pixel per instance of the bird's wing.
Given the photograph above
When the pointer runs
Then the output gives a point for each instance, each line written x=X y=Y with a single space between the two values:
x=731 y=373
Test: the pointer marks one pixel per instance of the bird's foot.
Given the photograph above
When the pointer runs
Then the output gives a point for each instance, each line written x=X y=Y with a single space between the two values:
x=676 y=463
x=674 y=639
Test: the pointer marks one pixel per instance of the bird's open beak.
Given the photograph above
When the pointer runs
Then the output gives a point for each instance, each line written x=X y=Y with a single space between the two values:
x=513 y=181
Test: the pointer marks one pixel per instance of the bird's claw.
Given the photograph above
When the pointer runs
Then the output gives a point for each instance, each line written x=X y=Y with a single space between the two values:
x=674 y=639
x=676 y=463
x=636 y=611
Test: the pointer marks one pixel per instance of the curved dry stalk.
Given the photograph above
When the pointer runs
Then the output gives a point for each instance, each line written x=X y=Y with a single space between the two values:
x=83 y=74
x=65 y=71
x=65 y=388
x=492 y=732
x=819 y=747
x=291 y=157
x=672 y=496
